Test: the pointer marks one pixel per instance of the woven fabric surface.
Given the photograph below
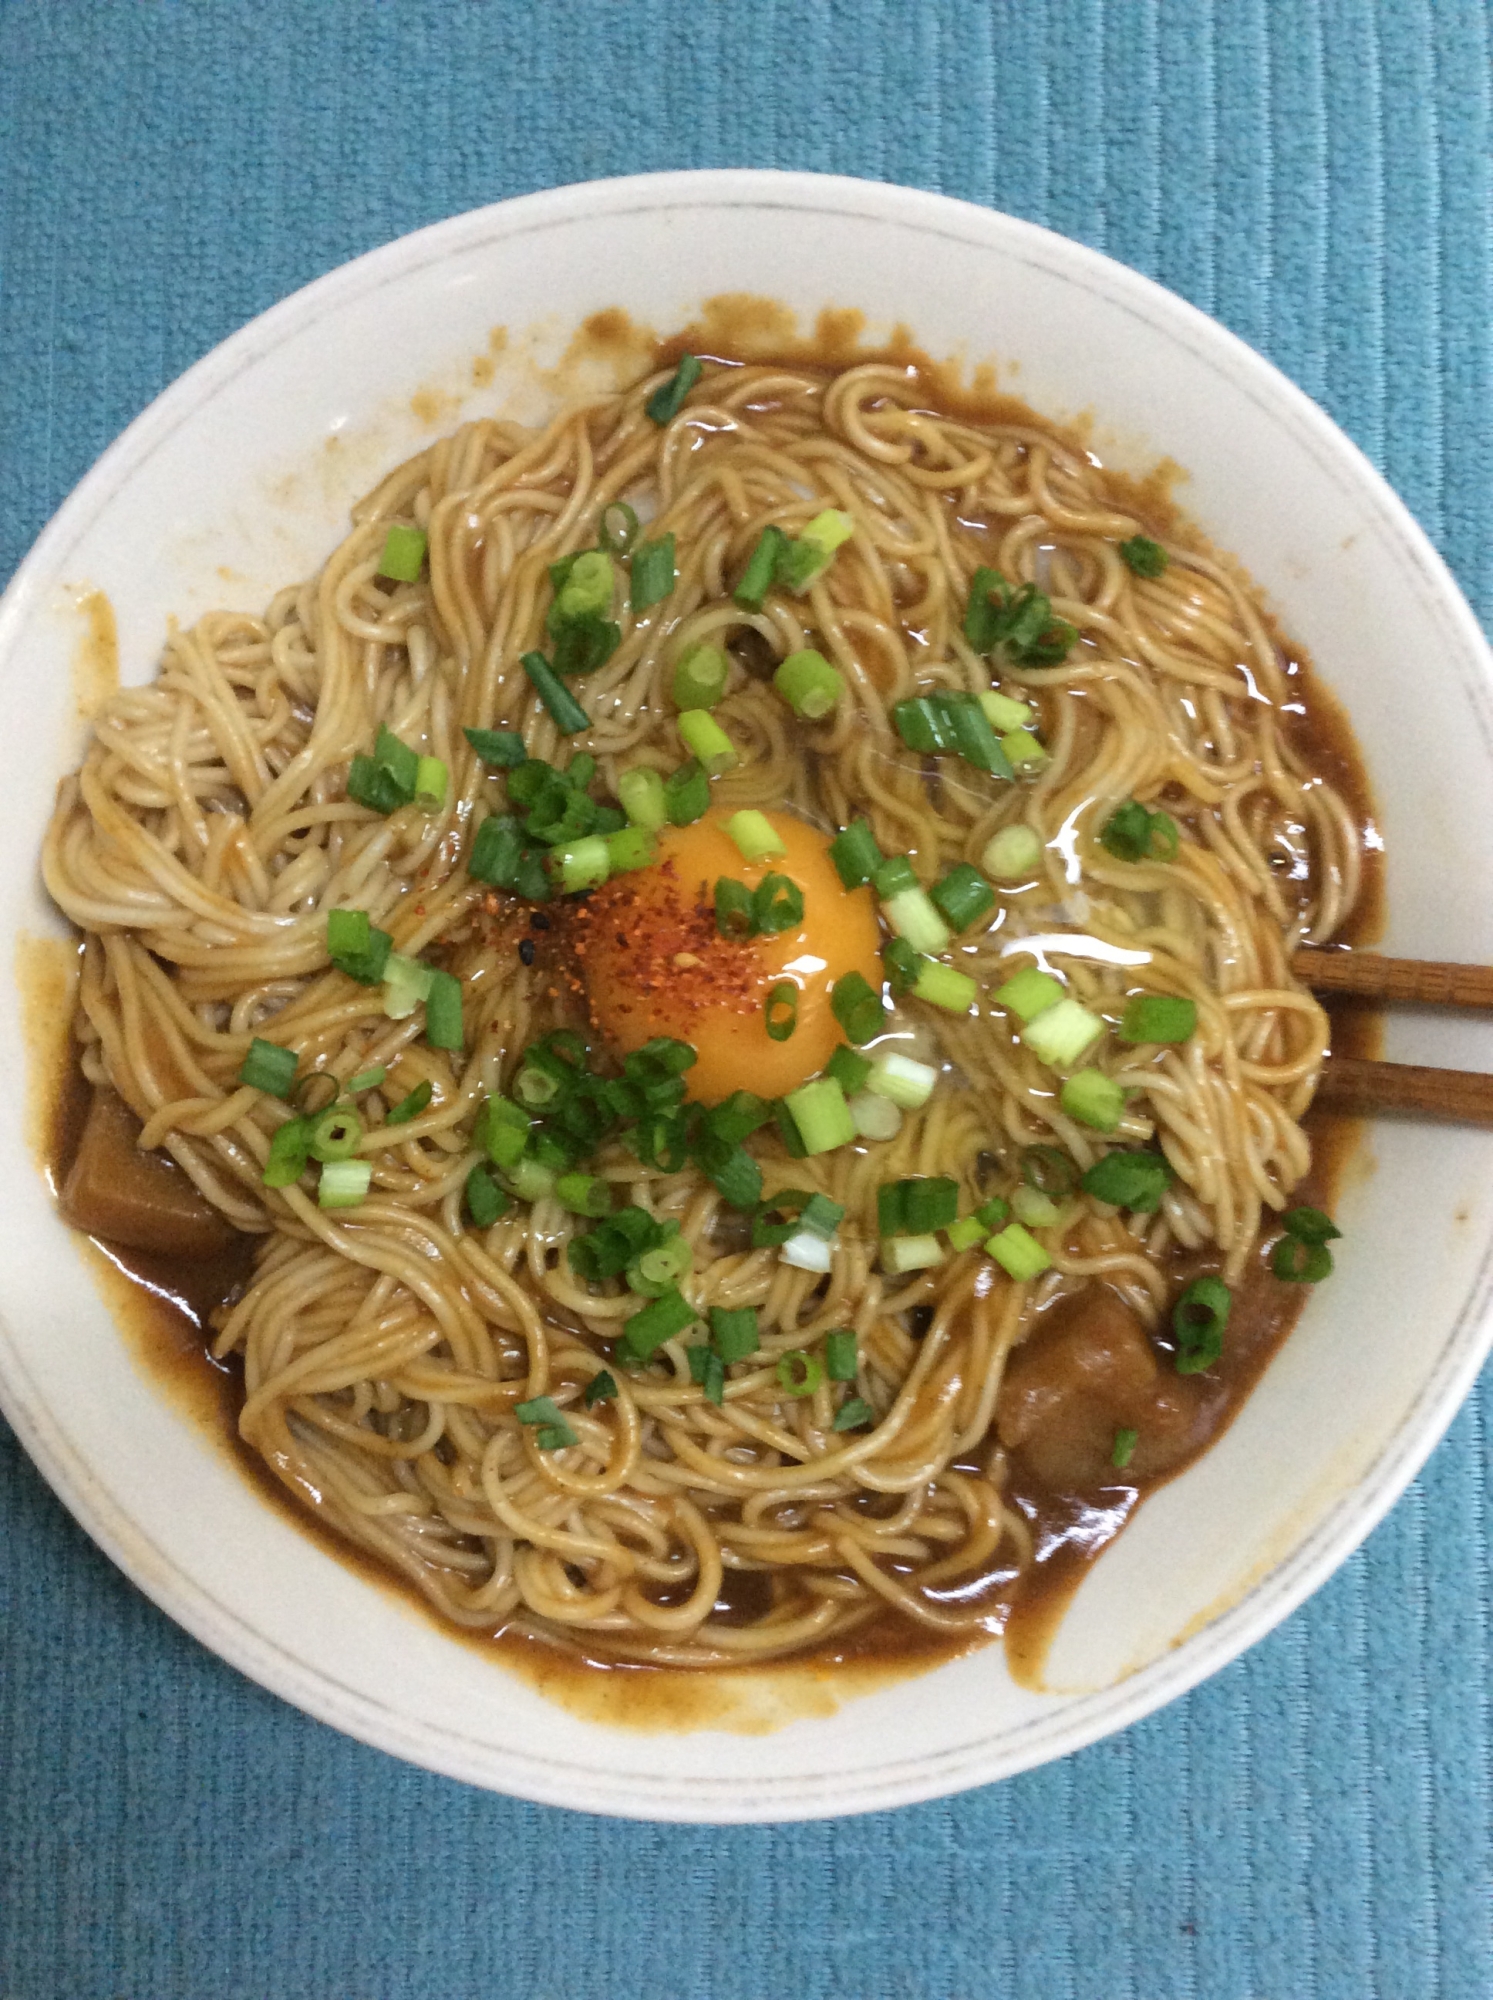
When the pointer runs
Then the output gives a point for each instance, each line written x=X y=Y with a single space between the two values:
x=1314 y=1823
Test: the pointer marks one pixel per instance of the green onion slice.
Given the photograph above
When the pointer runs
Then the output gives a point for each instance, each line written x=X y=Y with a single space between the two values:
x=403 y=553
x=781 y=1011
x=411 y=1106
x=1124 y=1448
x=1158 y=1017
x=269 y=1067
x=565 y=711
x=1198 y=1321
x=854 y=1414
x=668 y=399
x=652 y=572
x=1145 y=557
x=839 y=1354
x=617 y=529
x=799 y=1373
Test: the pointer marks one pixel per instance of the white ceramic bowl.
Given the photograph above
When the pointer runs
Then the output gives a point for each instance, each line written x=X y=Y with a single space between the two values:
x=238 y=479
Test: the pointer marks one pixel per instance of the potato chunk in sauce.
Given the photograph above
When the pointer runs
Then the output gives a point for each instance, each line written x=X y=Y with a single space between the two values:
x=1088 y=1370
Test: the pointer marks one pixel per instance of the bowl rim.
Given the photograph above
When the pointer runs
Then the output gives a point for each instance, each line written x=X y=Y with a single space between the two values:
x=1250 y=1615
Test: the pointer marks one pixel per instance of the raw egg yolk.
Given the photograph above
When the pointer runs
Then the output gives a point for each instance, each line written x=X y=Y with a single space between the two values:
x=648 y=951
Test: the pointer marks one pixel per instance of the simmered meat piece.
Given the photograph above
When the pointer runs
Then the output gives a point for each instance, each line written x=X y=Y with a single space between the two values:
x=1086 y=1371
x=142 y=1201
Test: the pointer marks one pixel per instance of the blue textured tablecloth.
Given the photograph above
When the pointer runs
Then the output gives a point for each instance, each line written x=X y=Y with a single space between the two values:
x=1314 y=1822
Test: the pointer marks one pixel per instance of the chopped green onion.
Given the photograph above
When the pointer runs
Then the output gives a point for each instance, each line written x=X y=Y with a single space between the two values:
x=901 y=1254
x=733 y=908
x=1063 y=1035
x=777 y=906
x=992 y=1211
x=587 y=589
x=652 y=572
x=404 y=554
x=499 y=854
x=641 y=791
x=668 y=399
x=1004 y=714
x=1093 y=1099
x=780 y=1011
x=1029 y=993
x=909 y=1084
x=602 y=1388
x=431 y=779
x=368 y=784
x=874 y=1117
x=941 y=724
x=1136 y=1181
x=366 y=1079
x=756 y=836
x=1300 y=1263
x=807 y=1252
x=912 y=916
x=584 y=1194
x=344 y=1183
x=855 y=854
x=583 y=644
x=486 y=1201
x=810 y=555
x=617 y=529
x=1024 y=753
x=407 y=981
x=799 y=1374
x=853 y=1414
x=700 y=676
x=900 y=963
x=945 y=986
x=355 y=947
x=1310 y=1225
x=761 y=570
x=1035 y=1209
x=552 y=1433
x=809 y=684
x=848 y=1070
x=819 y=1111
x=707 y=1371
x=269 y=1067
x=503 y=749
x=532 y=1180
x=1158 y=1017
x=1018 y=1253
x=565 y=711
x=290 y=1149
x=840 y=1362
x=1145 y=557
x=1198 y=1320
x=655 y=1270
x=659 y=1321
x=895 y=876
x=536 y=1087
x=916 y=1207
x=1124 y=1448
x=1012 y=853
x=411 y=1106
x=631 y=847
x=734 y=1332
x=686 y=794
x=584 y=866
x=1016 y=617
x=821 y=1216
x=443 y=1012
x=1132 y=833
x=966 y=1232
x=704 y=738
x=963 y=896
x=858 y=1008
x=738 y=1117
x=502 y=1131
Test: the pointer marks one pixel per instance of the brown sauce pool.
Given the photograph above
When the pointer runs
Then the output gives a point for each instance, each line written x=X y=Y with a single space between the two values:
x=164 y=1304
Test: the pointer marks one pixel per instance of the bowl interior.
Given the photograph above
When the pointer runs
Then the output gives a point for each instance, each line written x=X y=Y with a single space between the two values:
x=239 y=479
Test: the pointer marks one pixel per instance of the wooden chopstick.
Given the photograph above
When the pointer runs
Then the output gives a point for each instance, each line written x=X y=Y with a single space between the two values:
x=1361 y=1088
x=1395 y=982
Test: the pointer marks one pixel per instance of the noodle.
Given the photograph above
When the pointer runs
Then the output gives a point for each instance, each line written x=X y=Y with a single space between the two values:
x=386 y=1347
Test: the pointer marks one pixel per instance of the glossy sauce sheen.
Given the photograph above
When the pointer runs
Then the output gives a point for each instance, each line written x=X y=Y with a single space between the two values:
x=165 y=1304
